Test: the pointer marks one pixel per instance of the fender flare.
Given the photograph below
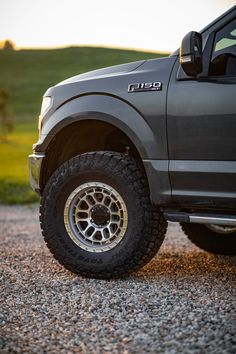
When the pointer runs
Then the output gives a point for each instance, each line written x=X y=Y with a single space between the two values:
x=105 y=108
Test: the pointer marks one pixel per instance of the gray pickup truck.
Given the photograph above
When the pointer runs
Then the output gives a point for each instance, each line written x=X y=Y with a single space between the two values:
x=124 y=149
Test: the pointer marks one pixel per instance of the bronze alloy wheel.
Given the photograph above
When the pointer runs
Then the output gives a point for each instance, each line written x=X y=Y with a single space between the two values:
x=95 y=217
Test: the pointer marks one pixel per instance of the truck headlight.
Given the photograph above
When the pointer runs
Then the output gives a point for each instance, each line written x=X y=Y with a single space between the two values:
x=46 y=104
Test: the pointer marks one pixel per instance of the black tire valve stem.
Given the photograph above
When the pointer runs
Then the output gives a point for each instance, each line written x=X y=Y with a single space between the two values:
x=127 y=148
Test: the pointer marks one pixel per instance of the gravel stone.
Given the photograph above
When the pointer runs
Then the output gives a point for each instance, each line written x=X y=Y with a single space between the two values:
x=182 y=301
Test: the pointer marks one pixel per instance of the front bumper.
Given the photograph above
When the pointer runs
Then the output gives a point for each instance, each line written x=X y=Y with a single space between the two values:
x=35 y=163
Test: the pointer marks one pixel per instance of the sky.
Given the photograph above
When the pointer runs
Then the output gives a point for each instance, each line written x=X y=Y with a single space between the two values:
x=154 y=25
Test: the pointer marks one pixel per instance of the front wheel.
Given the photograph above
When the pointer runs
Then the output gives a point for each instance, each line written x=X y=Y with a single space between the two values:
x=217 y=239
x=97 y=218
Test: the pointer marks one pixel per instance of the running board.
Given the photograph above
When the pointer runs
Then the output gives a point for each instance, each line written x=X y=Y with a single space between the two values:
x=200 y=218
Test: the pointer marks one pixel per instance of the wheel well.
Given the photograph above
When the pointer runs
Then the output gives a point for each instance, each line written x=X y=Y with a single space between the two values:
x=84 y=136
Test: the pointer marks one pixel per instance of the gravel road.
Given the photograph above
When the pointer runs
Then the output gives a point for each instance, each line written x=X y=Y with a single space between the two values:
x=183 y=301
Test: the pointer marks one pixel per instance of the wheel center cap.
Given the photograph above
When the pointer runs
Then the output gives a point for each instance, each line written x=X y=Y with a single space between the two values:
x=100 y=215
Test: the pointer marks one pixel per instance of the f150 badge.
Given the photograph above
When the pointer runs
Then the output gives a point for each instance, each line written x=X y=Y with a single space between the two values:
x=145 y=86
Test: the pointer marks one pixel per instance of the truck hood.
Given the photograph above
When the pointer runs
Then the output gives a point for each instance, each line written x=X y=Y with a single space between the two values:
x=112 y=80
x=104 y=72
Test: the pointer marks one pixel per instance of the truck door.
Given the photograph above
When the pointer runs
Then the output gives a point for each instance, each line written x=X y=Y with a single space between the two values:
x=201 y=123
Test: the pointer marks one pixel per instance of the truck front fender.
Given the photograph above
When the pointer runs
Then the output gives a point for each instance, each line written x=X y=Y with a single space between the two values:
x=105 y=108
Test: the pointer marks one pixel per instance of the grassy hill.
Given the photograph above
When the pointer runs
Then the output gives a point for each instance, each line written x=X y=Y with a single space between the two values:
x=25 y=75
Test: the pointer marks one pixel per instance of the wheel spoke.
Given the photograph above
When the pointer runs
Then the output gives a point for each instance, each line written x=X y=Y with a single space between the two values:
x=115 y=218
x=90 y=231
x=105 y=234
x=107 y=201
x=90 y=200
x=83 y=205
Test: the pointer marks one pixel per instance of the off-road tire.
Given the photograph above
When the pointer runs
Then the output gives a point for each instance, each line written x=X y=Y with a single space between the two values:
x=146 y=225
x=209 y=240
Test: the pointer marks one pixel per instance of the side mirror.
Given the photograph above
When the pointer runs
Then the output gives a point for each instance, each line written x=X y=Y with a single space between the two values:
x=191 y=53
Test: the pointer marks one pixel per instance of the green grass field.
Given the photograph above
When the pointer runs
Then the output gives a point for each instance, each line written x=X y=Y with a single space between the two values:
x=26 y=75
